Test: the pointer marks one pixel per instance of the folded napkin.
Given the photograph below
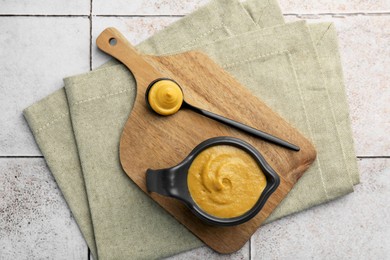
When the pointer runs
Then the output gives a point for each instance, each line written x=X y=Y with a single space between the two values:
x=274 y=63
x=50 y=123
x=325 y=40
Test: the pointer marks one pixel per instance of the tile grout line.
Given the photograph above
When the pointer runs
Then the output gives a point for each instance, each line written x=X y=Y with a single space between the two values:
x=141 y=15
x=250 y=248
x=20 y=156
x=386 y=13
x=90 y=68
x=373 y=157
x=88 y=15
x=340 y=14
x=44 y=15
x=90 y=35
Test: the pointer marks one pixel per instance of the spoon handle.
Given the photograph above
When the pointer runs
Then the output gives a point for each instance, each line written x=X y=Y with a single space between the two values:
x=250 y=130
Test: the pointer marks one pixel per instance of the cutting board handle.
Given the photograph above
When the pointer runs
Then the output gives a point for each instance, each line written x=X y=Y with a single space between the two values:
x=112 y=42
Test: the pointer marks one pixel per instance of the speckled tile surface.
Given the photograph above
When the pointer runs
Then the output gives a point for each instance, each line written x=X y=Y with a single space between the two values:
x=364 y=45
x=43 y=41
x=35 y=222
x=145 y=7
x=36 y=54
x=45 y=7
x=334 y=6
x=356 y=226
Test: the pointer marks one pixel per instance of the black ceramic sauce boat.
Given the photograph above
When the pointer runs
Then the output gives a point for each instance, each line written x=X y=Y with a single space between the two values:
x=172 y=182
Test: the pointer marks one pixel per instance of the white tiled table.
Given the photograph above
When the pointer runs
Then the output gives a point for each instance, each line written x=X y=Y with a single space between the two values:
x=43 y=41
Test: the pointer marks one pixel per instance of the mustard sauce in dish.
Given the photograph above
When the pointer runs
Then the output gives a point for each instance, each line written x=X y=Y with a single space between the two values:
x=225 y=181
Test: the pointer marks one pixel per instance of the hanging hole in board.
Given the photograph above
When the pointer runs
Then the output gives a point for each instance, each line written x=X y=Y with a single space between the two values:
x=112 y=41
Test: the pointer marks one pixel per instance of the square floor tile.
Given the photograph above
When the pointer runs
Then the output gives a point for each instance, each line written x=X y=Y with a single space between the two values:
x=45 y=7
x=146 y=7
x=333 y=6
x=35 y=222
x=364 y=47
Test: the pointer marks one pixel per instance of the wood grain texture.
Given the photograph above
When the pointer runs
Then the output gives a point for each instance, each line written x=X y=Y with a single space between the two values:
x=152 y=141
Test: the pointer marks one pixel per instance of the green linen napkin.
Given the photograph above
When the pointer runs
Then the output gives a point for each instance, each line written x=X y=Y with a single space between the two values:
x=99 y=104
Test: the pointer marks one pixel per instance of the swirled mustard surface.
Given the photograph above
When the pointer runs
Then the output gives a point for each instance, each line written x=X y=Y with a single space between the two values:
x=225 y=181
x=165 y=97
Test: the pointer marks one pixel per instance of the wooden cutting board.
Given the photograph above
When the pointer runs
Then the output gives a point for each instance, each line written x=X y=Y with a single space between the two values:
x=153 y=141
